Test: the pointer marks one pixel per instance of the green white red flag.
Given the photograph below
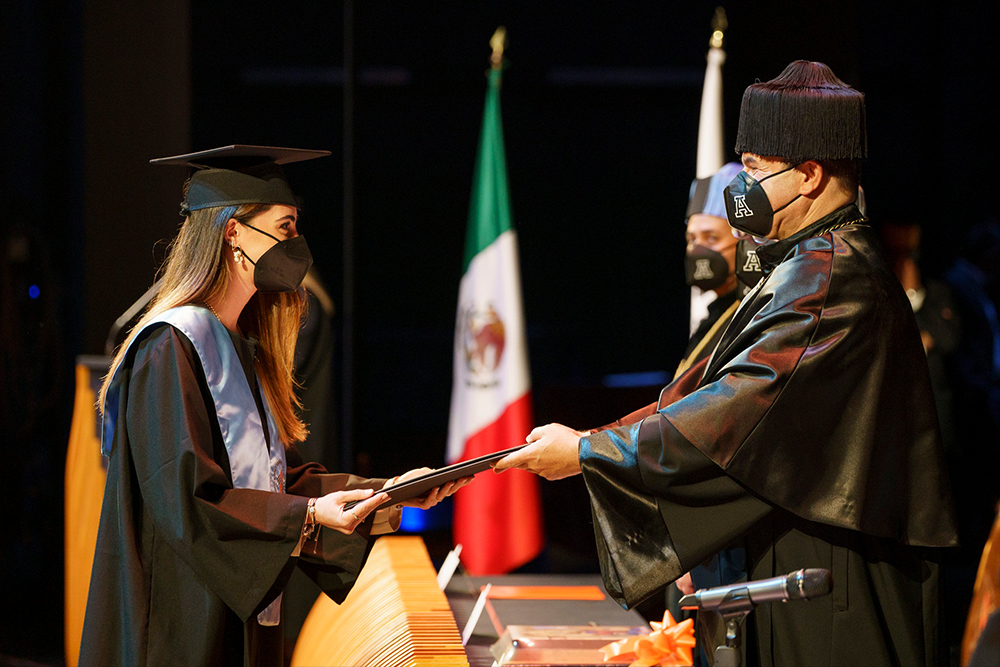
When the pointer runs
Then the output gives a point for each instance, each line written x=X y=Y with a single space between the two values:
x=497 y=518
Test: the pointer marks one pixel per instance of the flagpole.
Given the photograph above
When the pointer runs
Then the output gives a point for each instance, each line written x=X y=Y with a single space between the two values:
x=497 y=42
x=711 y=136
x=711 y=154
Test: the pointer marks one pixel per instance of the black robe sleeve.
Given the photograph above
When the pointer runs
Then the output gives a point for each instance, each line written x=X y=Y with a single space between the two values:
x=332 y=560
x=660 y=507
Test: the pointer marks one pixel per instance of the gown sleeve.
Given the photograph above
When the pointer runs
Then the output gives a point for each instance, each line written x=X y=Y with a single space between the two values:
x=238 y=542
x=662 y=499
x=332 y=560
x=660 y=506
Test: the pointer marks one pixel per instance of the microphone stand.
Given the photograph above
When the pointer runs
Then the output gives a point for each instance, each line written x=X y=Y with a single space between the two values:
x=733 y=610
x=733 y=603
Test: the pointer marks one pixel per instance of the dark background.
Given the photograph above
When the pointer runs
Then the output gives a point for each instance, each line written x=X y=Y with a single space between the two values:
x=600 y=108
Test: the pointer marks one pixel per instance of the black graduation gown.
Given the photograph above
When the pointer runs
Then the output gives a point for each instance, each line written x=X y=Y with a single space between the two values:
x=184 y=561
x=809 y=438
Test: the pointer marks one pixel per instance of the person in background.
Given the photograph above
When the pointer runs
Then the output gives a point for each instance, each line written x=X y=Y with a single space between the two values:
x=314 y=372
x=710 y=261
x=934 y=308
x=940 y=325
x=208 y=505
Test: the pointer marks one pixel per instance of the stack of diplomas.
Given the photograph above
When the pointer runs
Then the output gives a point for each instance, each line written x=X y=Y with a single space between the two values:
x=394 y=615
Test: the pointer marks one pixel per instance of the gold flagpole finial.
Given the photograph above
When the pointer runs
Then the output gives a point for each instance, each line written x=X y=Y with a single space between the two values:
x=497 y=41
x=719 y=25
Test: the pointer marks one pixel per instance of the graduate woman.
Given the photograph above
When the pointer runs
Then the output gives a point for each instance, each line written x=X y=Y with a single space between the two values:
x=208 y=506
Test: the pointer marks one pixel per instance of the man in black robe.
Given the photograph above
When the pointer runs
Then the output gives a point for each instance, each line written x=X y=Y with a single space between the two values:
x=809 y=438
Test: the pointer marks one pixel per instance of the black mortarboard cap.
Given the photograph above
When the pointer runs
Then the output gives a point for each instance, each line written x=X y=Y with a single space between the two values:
x=239 y=174
x=805 y=113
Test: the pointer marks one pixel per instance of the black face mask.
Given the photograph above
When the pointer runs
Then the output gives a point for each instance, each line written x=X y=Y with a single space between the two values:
x=283 y=266
x=705 y=268
x=747 y=206
x=748 y=269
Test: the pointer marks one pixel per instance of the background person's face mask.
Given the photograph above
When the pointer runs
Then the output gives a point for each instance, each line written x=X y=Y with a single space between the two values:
x=747 y=206
x=282 y=266
x=705 y=268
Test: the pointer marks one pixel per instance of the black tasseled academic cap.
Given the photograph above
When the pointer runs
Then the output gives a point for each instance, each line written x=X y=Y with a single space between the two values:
x=239 y=174
x=805 y=113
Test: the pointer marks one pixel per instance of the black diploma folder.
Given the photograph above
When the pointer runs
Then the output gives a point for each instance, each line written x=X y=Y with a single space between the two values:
x=419 y=486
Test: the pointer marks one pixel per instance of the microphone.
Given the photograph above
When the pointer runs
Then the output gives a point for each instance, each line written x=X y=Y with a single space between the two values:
x=803 y=584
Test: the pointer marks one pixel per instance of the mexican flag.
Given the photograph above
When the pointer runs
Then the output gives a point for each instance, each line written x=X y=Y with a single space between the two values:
x=497 y=518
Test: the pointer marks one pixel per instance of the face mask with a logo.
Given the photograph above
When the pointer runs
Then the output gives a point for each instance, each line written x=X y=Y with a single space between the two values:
x=747 y=206
x=748 y=269
x=282 y=266
x=705 y=268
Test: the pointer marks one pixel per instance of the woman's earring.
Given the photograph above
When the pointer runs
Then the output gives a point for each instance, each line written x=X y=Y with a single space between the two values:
x=237 y=255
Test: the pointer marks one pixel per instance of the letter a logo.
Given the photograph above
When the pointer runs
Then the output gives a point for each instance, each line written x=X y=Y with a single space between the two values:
x=742 y=210
x=703 y=270
x=752 y=264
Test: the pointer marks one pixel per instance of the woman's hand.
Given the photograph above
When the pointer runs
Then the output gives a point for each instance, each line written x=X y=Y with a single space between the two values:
x=331 y=513
x=438 y=493
x=432 y=497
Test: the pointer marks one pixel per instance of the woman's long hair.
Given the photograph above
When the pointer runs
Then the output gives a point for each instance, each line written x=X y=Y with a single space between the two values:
x=196 y=271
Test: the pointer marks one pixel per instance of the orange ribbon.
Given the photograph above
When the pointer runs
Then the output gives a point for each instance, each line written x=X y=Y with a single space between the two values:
x=669 y=645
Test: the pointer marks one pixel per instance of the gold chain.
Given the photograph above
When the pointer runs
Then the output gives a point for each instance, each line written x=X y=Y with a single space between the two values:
x=847 y=224
x=213 y=311
x=238 y=330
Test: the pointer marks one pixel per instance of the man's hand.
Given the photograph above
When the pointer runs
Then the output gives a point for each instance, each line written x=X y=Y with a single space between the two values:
x=553 y=453
x=685 y=585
